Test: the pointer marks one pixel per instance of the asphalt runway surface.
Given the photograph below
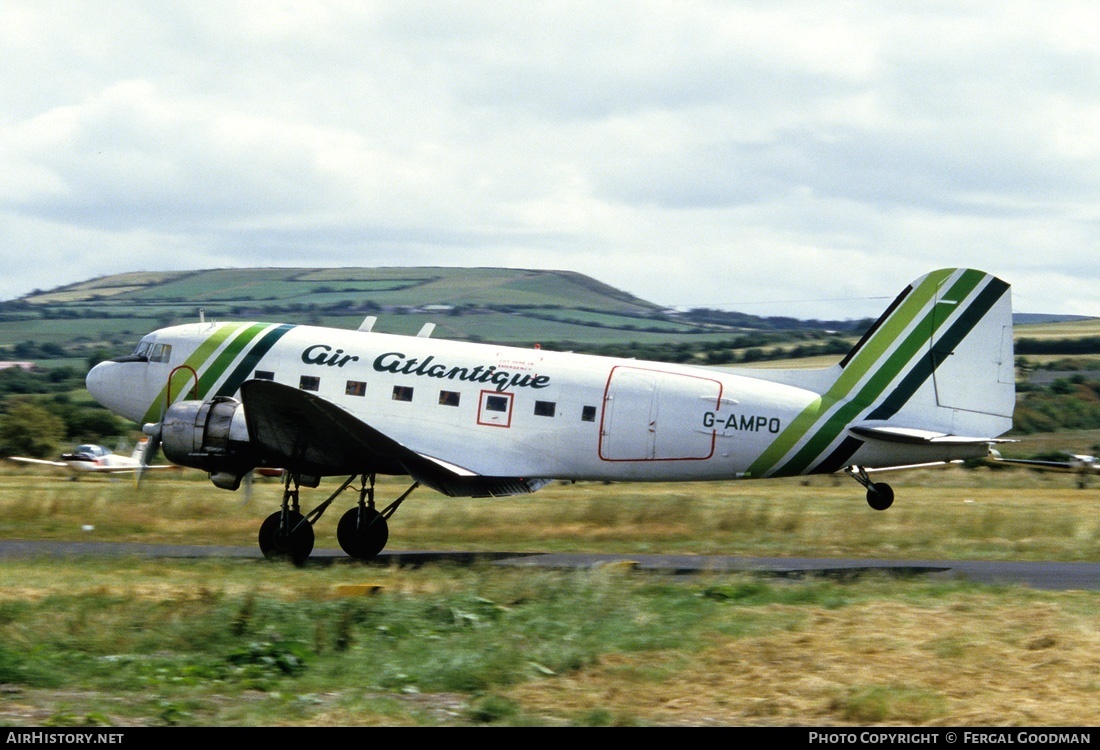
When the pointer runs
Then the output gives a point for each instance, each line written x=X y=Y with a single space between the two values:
x=1056 y=576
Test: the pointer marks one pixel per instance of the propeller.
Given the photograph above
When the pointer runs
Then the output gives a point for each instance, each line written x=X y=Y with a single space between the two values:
x=152 y=445
x=247 y=482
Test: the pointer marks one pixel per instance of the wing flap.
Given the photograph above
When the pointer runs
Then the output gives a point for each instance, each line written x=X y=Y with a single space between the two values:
x=303 y=432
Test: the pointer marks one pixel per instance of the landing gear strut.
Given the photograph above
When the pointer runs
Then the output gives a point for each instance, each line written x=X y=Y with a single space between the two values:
x=880 y=495
x=362 y=530
x=286 y=532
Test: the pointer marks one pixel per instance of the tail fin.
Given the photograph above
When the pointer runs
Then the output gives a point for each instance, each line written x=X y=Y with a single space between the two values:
x=936 y=369
x=940 y=358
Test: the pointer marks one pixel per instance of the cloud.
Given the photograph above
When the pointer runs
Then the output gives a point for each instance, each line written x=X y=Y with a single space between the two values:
x=815 y=156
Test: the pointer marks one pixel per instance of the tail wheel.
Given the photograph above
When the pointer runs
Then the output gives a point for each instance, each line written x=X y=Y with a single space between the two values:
x=880 y=495
x=293 y=540
x=362 y=532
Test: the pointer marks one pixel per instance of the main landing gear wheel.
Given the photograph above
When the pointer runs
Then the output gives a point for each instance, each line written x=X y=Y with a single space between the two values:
x=362 y=532
x=290 y=539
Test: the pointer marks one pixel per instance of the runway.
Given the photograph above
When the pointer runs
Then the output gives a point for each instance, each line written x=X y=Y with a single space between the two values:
x=1056 y=576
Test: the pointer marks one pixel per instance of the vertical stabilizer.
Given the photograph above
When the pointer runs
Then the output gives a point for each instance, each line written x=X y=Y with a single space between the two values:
x=937 y=364
x=941 y=358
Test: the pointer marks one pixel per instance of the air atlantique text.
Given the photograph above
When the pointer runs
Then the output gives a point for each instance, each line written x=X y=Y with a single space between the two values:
x=1024 y=737
x=397 y=363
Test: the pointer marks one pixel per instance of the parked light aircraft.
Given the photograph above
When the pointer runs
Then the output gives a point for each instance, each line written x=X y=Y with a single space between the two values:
x=97 y=459
x=931 y=382
x=1082 y=465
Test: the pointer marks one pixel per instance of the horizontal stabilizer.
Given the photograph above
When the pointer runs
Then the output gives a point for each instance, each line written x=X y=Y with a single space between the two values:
x=914 y=436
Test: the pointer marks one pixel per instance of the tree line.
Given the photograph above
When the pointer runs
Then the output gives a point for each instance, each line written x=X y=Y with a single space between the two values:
x=42 y=410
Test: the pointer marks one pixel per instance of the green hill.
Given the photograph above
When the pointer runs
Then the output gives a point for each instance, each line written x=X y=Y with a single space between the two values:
x=508 y=306
x=555 y=309
x=64 y=330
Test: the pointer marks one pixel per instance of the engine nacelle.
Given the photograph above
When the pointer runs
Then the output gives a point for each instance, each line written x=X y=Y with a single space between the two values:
x=209 y=435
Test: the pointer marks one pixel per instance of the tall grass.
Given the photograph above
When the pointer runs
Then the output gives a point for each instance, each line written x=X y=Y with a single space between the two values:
x=950 y=513
x=247 y=642
x=244 y=641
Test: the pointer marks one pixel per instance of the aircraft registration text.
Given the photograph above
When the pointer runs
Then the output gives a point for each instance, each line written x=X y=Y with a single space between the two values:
x=742 y=422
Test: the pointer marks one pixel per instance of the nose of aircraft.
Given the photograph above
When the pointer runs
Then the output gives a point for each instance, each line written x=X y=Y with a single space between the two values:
x=107 y=382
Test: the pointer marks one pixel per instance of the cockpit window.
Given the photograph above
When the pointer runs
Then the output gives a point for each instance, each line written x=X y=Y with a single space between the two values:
x=160 y=353
x=147 y=351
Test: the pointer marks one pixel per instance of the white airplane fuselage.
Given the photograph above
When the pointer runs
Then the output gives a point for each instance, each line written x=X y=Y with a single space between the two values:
x=506 y=410
x=91 y=458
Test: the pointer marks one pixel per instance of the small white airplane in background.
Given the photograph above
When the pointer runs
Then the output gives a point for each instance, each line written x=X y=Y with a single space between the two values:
x=932 y=381
x=1081 y=464
x=97 y=459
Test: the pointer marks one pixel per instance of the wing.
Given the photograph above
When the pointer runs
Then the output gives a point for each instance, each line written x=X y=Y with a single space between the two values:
x=1038 y=464
x=305 y=433
x=1035 y=462
x=123 y=469
x=39 y=461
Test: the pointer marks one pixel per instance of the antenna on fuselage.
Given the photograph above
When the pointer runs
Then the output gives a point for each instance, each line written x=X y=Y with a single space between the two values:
x=426 y=330
x=368 y=323
x=202 y=315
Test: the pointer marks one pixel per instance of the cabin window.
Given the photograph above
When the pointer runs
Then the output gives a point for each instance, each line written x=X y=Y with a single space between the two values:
x=263 y=375
x=356 y=388
x=449 y=398
x=402 y=393
x=588 y=414
x=309 y=383
x=545 y=408
x=497 y=403
x=495 y=409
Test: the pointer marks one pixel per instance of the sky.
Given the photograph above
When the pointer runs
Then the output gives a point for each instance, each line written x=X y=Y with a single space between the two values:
x=803 y=158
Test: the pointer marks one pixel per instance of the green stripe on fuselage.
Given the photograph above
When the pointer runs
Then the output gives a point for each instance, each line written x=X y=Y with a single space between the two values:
x=248 y=363
x=228 y=356
x=869 y=356
x=182 y=379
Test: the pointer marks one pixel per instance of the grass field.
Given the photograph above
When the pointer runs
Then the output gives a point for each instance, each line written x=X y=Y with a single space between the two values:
x=952 y=513
x=1066 y=330
x=247 y=642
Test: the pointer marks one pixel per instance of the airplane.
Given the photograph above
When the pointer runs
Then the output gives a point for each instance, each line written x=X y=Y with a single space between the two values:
x=89 y=458
x=1081 y=464
x=931 y=382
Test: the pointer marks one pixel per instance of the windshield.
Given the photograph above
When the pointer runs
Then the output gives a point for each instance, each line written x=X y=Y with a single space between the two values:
x=148 y=350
